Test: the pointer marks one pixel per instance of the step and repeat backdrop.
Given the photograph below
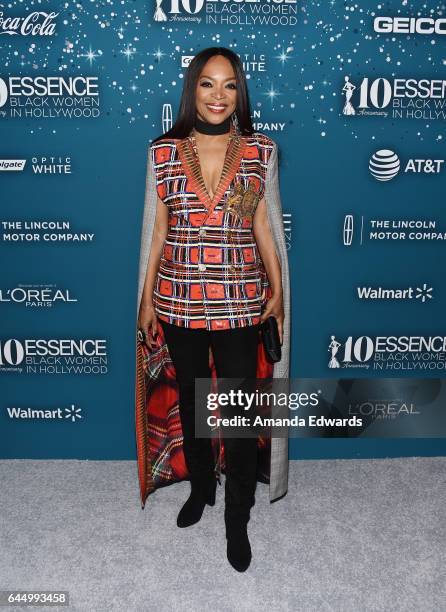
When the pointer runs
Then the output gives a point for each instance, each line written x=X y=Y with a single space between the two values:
x=353 y=93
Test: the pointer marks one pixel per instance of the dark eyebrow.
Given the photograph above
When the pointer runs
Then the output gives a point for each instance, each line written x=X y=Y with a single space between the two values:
x=204 y=76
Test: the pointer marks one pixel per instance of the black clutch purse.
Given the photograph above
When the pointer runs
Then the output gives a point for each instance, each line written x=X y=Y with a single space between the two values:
x=271 y=340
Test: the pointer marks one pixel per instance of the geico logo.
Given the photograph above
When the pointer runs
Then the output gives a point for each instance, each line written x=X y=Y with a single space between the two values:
x=409 y=25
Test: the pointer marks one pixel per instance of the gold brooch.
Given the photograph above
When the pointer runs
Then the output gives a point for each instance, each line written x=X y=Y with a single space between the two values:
x=242 y=202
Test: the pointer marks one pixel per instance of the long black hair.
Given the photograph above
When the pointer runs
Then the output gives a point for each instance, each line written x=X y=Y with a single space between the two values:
x=185 y=120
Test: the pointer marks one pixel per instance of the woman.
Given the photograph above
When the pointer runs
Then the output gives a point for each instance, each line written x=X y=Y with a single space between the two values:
x=213 y=267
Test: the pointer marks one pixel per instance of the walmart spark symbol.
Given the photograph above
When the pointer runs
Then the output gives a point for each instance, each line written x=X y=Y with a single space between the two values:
x=424 y=293
x=72 y=413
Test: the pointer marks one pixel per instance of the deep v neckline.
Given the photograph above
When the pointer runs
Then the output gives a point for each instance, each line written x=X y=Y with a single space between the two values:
x=187 y=149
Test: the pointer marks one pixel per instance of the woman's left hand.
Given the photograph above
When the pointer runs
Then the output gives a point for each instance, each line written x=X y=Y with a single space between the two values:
x=274 y=307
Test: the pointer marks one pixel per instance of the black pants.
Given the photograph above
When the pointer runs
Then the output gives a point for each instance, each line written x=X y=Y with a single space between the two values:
x=235 y=356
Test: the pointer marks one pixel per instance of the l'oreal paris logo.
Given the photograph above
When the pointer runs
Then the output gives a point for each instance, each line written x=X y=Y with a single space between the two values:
x=35 y=297
x=409 y=25
x=37 y=23
x=385 y=409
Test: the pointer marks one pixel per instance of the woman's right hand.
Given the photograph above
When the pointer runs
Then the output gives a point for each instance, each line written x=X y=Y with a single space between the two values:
x=148 y=322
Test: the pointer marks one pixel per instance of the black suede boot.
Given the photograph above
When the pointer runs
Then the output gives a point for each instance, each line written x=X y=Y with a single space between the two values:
x=238 y=548
x=241 y=469
x=192 y=510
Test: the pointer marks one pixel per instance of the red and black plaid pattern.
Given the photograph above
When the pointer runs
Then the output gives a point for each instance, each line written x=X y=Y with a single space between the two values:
x=211 y=274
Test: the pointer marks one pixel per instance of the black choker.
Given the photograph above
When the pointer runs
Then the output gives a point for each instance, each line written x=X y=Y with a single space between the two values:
x=213 y=129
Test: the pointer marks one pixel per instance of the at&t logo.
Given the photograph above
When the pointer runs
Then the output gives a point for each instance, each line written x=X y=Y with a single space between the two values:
x=385 y=164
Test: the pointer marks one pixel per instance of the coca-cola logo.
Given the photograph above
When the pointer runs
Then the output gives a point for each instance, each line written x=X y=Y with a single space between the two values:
x=37 y=23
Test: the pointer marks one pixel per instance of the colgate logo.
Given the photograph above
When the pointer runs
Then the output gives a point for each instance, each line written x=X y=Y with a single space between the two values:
x=37 y=23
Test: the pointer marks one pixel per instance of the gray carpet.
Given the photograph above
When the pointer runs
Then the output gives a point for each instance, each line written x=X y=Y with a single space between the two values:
x=351 y=535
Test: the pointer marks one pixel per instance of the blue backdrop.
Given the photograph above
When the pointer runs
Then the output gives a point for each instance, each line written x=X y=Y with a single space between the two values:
x=75 y=151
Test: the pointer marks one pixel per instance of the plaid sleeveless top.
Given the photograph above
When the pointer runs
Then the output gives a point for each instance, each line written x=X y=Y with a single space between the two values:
x=211 y=275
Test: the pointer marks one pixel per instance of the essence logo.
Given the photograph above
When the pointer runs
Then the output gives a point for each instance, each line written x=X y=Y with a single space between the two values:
x=50 y=96
x=409 y=353
x=54 y=355
x=226 y=12
x=395 y=98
